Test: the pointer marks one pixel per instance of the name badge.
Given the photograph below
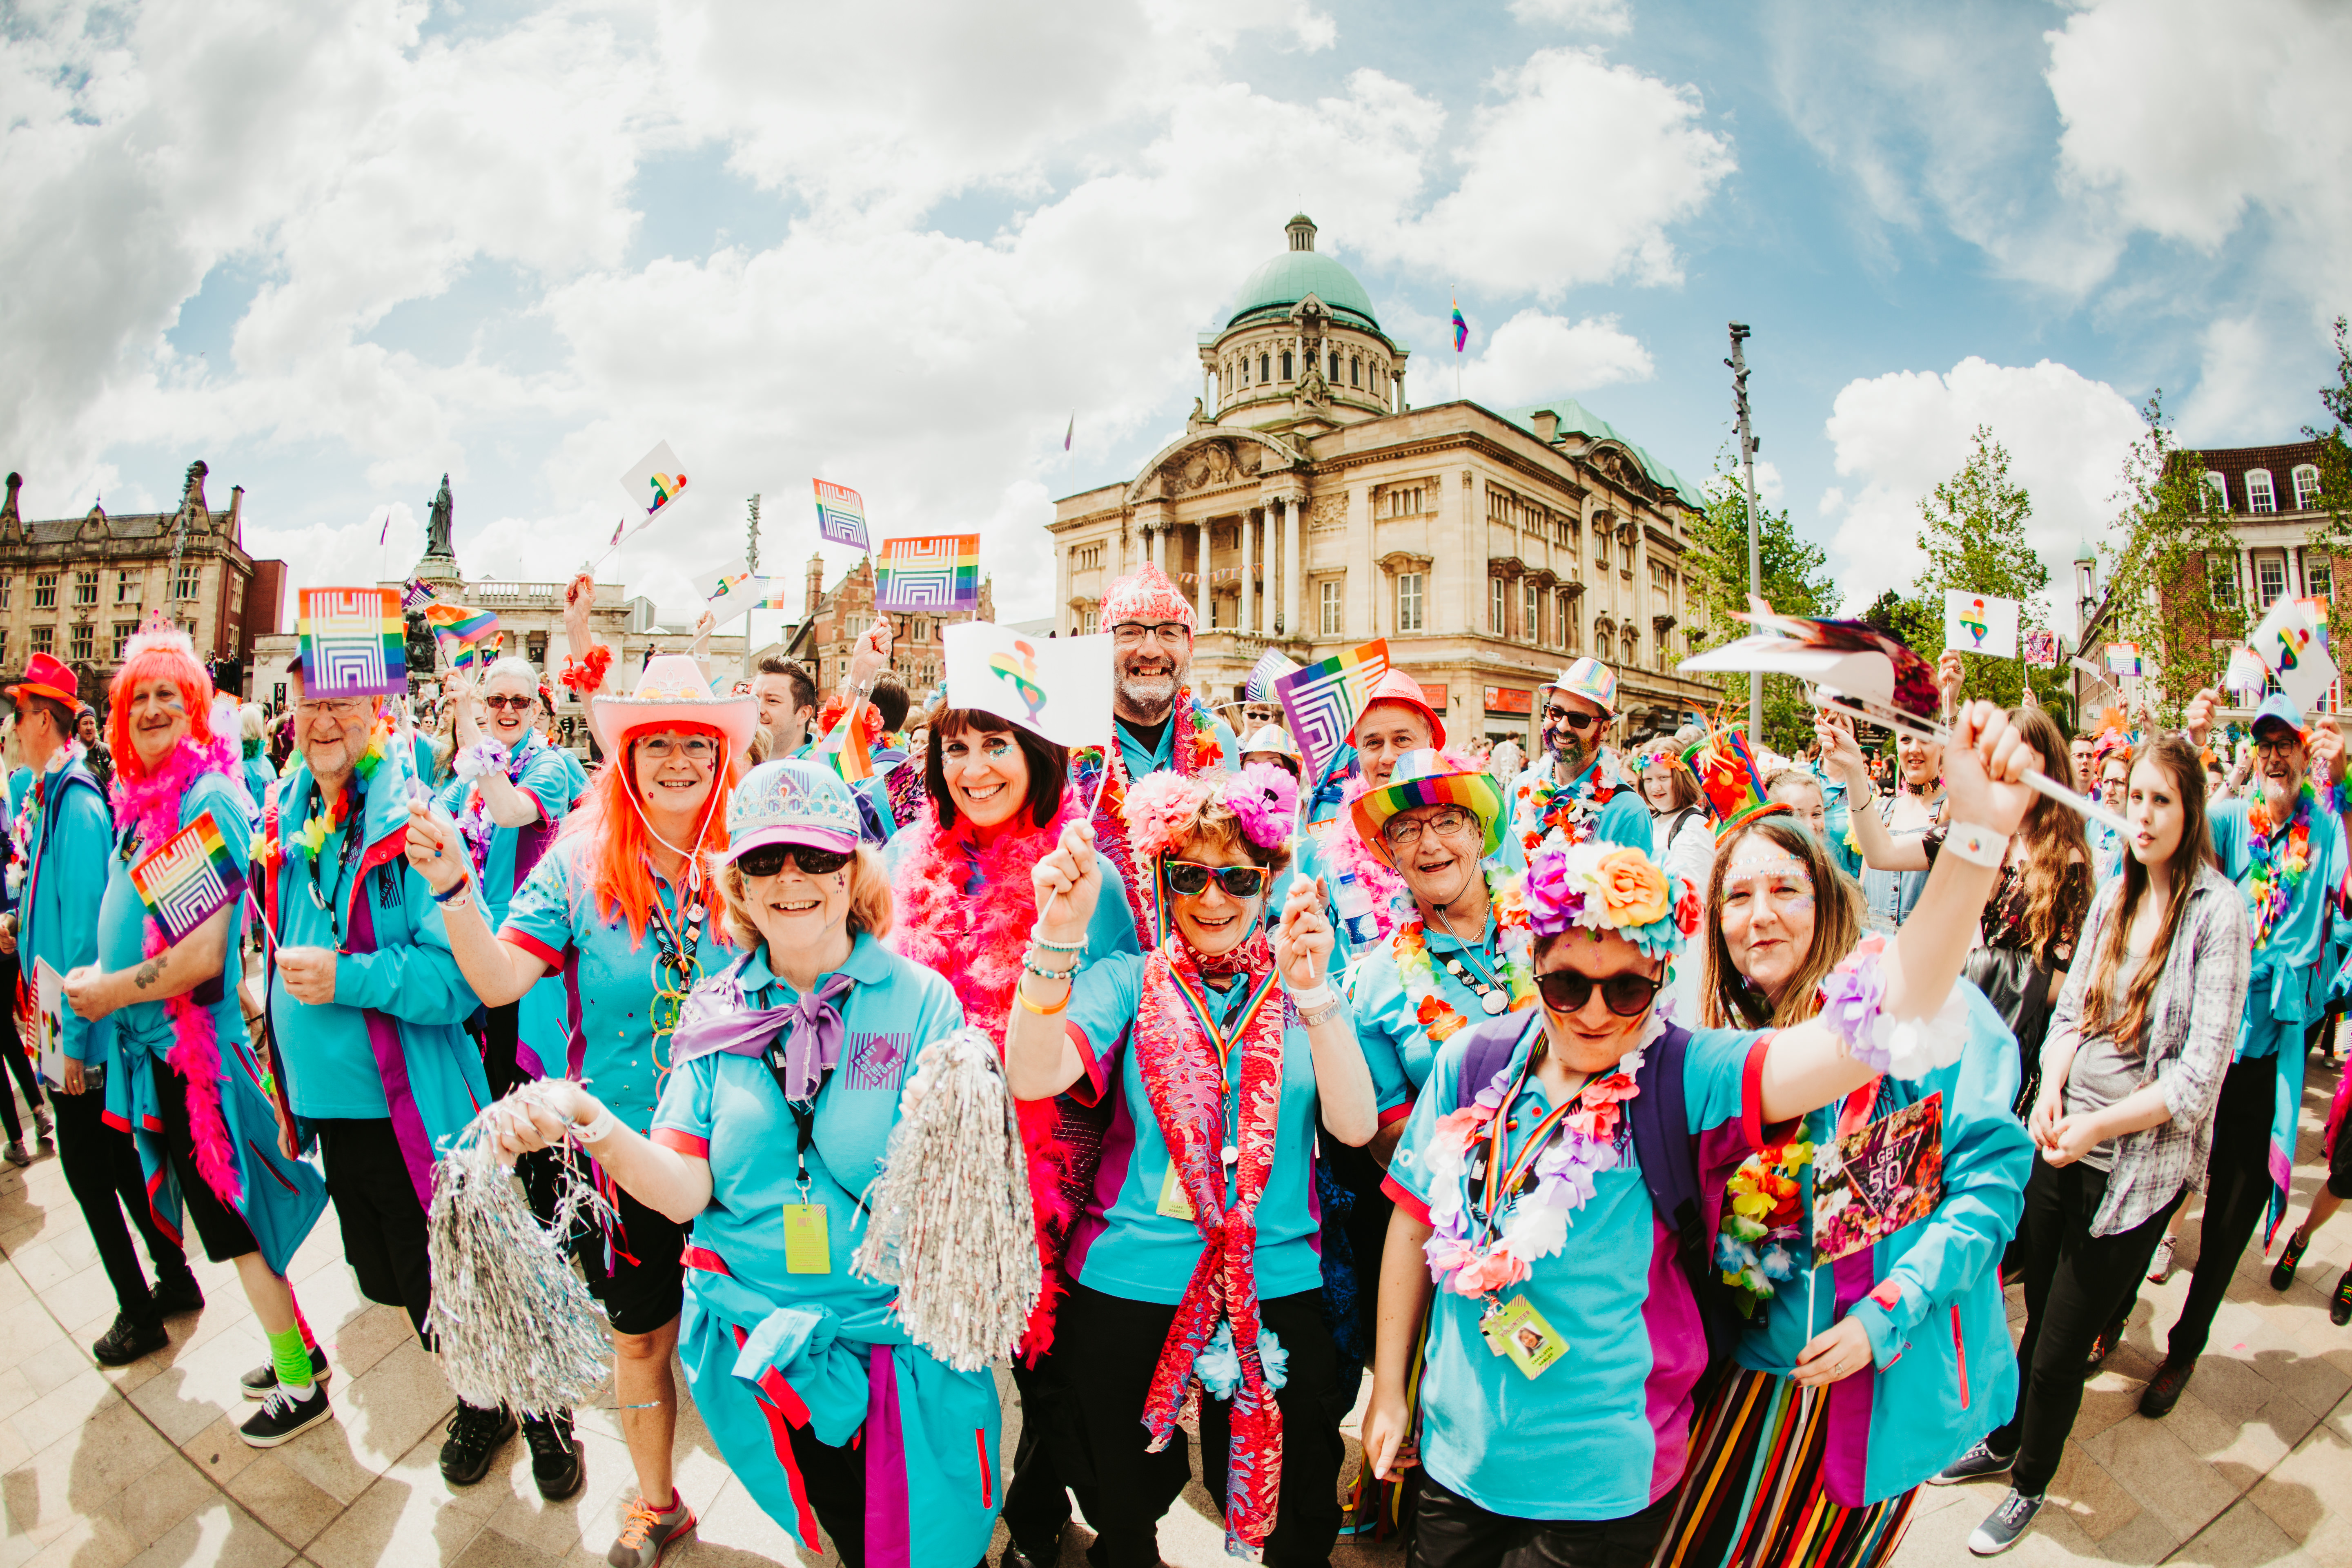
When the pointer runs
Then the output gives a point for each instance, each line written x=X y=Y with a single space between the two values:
x=1517 y=1331
x=1174 y=1202
x=807 y=1249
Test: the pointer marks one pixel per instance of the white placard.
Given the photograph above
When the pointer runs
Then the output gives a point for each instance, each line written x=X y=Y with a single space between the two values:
x=2296 y=651
x=731 y=591
x=1056 y=686
x=1979 y=623
x=2247 y=675
x=48 y=1019
x=655 y=483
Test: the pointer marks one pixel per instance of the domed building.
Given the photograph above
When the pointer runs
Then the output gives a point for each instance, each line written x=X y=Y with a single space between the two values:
x=1309 y=507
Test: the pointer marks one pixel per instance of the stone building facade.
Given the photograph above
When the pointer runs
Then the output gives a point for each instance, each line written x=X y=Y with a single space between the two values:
x=833 y=619
x=77 y=587
x=1308 y=508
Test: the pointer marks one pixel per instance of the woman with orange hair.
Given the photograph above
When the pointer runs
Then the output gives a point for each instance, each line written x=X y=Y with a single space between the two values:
x=624 y=911
x=190 y=1088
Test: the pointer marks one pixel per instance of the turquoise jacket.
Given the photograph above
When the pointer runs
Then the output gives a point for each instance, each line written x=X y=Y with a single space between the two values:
x=57 y=910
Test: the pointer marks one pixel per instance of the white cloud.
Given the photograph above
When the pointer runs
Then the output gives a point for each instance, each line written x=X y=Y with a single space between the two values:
x=1898 y=436
x=1769 y=488
x=1584 y=16
x=1535 y=355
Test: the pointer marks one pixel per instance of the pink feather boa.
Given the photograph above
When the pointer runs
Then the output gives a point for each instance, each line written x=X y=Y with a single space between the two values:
x=976 y=941
x=1344 y=849
x=151 y=804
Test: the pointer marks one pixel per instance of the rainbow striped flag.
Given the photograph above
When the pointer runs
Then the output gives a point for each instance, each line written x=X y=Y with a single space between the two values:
x=353 y=642
x=1460 y=328
x=462 y=631
x=190 y=877
x=841 y=515
x=1323 y=699
x=941 y=572
x=482 y=651
x=844 y=748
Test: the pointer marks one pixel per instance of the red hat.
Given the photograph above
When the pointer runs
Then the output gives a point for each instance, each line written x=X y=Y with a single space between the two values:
x=46 y=677
x=1395 y=686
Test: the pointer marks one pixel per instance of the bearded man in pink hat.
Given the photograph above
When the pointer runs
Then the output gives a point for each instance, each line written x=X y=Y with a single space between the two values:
x=1576 y=791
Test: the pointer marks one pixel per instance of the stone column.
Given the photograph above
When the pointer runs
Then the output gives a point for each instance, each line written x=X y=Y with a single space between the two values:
x=1249 y=551
x=1201 y=598
x=1294 y=573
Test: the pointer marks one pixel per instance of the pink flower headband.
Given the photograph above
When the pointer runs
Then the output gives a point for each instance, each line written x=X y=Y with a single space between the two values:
x=1165 y=806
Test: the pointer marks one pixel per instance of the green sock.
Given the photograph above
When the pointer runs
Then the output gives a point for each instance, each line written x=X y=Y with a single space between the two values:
x=291 y=1356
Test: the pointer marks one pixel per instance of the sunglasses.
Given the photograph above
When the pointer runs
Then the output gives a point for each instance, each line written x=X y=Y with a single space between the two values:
x=518 y=704
x=1190 y=879
x=768 y=859
x=1627 y=995
x=1573 y=720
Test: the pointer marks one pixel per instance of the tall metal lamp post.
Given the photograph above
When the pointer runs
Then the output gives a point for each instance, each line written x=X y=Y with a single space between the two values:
x=1748 y=446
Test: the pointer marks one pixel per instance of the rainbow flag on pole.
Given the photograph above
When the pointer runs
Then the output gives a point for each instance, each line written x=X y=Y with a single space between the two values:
x=1323 y=699
x=844 y=748
x=191 y=876
x=353 y=642
x=841 y=515
x=941 y=572
x=1460 y=328
x=462 y=631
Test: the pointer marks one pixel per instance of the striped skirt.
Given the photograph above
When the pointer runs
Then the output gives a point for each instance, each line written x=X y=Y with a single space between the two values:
x=1753 y=1496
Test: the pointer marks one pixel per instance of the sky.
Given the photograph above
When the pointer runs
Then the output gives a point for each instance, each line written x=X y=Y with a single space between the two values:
x=338 y=249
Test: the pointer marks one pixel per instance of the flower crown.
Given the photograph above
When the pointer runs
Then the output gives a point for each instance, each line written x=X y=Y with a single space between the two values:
x=1605 y=887
x=1163 y=806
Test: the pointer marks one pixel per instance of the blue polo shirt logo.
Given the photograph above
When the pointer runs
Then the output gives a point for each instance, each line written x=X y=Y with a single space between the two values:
x=878 y=1061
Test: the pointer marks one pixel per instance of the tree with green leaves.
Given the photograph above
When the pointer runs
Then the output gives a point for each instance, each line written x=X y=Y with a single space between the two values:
x=2335 y=536
x=1795 y=579
x=2172 y=567
x=1972 y=529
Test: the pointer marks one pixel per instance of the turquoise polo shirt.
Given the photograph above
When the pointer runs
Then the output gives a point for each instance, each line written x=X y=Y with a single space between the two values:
x=515 y=852
x=728 y=1110
x=330 y=1067
x=1397 y=1047
x=608 y=976
x=58 y=909
x=1122 y=1245
x=2286 y=978
x=1604 y=1432
x=122 y=921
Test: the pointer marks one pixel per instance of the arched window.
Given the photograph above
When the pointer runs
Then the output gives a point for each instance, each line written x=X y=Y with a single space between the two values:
x=1355 y=372
x=2306 y=487
x=2260 y=497
x=1285 y=364
x=1261 y=369
x=1334 y=365
x=2218 y=486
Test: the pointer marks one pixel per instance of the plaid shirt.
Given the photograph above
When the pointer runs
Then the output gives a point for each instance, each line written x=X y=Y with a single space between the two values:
x=2191 y=1034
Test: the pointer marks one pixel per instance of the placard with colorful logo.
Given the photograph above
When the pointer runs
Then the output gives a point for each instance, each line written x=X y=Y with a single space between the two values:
x=1873 y=1181
x=1056 y=686
x=840 y=514
x=351 y=642
x=937 y=573
x=188 y=879
x=655 y=482
x=1323 y=699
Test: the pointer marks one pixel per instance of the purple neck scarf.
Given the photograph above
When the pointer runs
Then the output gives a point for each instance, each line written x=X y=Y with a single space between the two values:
x=716 y=1019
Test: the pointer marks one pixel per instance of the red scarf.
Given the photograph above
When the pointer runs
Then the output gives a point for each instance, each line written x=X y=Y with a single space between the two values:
x=1184 y=717
x=1184 y=1079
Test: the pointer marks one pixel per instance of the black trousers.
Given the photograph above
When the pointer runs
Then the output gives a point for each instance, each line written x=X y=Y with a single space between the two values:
x=1106 y=1347
x=833 y=1481
x=381 y=1220
x=2073 y=1283
x=2237 y=1190
x=502 y=1035
x=102 y=1169
x=220 y=1228
x=1451 y=1531
x=20 y=1065
x=1037 y=1498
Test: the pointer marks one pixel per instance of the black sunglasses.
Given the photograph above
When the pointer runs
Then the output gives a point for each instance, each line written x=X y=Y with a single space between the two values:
x=1627 y=995
x=1190 y=879
x=1573 y=720
x=770 y=859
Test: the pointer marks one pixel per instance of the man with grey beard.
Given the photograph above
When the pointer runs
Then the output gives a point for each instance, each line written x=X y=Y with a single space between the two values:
x=1575 y=791
x=1150 y=626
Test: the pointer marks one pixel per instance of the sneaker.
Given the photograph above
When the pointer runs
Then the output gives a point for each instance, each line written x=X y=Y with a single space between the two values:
x=174 y=1297
x=2101 y=1349
x=283 y=1416
x=2160 y=1267
x=17 y=1155
x=2339 y=1307
x=555 y=1460
x=256 y=1383
x=129 y=1339
x=1978 y=1462
x=646 y=1535
x=2283 y=1271
x=43 y=1128
x=474 y=1436
x=2004 y=1524
x=2163 y=1390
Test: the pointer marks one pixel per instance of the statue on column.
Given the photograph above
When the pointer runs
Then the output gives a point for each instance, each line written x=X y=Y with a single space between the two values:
x=436 y=526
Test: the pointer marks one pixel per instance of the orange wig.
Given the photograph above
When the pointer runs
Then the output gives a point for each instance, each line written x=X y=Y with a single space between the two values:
x=165 y=658
x=618 y=857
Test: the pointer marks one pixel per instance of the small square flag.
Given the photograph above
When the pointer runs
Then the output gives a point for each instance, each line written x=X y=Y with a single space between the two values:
x=656 y=481
x=353 y=642
x=189 y=877
x=941 y=572
x=841 y=515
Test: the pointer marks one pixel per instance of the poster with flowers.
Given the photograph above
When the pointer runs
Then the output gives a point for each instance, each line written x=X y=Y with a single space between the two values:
x=1877 y=1179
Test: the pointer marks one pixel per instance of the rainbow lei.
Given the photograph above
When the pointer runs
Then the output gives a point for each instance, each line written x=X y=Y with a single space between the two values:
x=1418 y=971
x=2272 y=877
x=1569 y=809
x=1206 y=752
x=311 y=837
x=1763 y=1224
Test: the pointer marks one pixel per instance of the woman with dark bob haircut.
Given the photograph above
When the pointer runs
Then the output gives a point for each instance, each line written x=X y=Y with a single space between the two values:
x=998 y=801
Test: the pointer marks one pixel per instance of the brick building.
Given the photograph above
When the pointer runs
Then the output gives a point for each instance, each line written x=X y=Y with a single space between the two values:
x=832 y=620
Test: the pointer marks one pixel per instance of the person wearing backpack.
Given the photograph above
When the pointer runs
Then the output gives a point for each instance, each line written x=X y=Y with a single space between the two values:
x=1560 y=1357
x=1806 y=1453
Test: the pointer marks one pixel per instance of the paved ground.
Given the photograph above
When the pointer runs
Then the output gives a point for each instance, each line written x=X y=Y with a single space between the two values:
x=143 y=1464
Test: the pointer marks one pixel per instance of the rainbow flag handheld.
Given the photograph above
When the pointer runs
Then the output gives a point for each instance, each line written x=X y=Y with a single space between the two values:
x=462 y=631
x=841 y=515
x=351 y=642
x=414 y=594
x=189 y=877
x=843 y=747
x=1323 y=699
x=941 y=572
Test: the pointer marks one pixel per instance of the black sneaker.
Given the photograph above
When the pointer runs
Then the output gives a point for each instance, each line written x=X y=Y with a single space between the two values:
x=256 y=1383
x=283 y=1416
x=1978 y=1463
x=555 y=1460
x=474 y=1436
x=129 y=1339
x=2163 y=1390
x=174 y=1297
x=2339 y=1307
x=2283 y=1271
x=2003 y=1525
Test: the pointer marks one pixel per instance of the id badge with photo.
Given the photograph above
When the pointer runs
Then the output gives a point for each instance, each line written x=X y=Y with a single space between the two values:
x=1519 y=1331
x=808 y=1247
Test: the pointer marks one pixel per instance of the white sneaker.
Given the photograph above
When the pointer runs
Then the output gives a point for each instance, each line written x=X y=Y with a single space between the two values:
x=2159 y=1268
x=2005 y=1525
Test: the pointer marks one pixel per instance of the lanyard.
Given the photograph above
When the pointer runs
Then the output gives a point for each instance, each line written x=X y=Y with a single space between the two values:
x=1221 y=1040
x=1541 y=1134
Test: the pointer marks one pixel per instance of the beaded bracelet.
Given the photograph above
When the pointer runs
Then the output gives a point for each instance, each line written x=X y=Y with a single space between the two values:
x=1041 y=973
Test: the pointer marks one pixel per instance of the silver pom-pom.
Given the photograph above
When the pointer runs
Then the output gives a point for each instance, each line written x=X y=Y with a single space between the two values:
x=951 y=1224
x=512 y=1320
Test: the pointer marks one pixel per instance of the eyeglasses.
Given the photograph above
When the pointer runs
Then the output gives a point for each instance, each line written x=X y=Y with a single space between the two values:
x=1190 y=879
x=1404 y=832
x=345 y=708
x=1573 y=720
x=1126 y=634
x=768 y=859
x=1628 y=995
x=518 y=704
x=699 y=749
x=2275 y=747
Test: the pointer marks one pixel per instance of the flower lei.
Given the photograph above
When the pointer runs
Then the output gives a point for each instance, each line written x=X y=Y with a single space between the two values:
x=1570 y=809
x=312 y=835
x=474 y=823
x=586 y=674
x=1853 y=1001
x=1763 y=1224
x=1418 y=971
x=2271 y=876
x=1206 y=752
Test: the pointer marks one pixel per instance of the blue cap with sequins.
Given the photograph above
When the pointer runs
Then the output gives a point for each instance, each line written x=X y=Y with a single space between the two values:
x=791 y=803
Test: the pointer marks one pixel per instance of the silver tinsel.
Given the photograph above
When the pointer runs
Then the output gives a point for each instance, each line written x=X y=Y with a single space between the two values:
x=512 y=1320
x=951 y=1222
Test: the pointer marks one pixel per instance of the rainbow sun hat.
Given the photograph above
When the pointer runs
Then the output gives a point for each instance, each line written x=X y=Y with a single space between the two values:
x=1433 y=778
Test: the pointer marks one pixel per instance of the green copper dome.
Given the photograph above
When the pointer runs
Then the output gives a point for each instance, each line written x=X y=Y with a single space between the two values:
x=1298 y=272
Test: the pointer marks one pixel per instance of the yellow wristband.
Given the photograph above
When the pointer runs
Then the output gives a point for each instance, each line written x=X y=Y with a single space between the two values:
x=1021 y=994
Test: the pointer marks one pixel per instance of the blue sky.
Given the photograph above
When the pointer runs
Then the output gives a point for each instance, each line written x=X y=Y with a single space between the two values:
x=338 y=251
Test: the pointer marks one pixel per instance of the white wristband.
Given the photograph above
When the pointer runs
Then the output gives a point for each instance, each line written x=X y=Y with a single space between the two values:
x=596 y=1132
x=1307 y=1001
x=1977 y=845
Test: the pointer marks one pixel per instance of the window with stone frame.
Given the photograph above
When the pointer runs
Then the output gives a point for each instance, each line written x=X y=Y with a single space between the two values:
x=45 y=590
x=3 y=648
x=86 y=587
x=185 y=587
x=1261 y=374
x=2260 y=497
x=122 y=631
x=2270 y=580
x=2318 y=580
x=44 y=639
x=2222 y=581
x=1571 y=639
x=2217 y=489
x=1328 y=607
x=1497 y=607
x=1408 y=601
x=1355 y=372
x=1334 y=366
x=1531 y=603
x=1285 y=364
x=126 y=588
x=2306 y=487
x=7 y=595
x=84 y=645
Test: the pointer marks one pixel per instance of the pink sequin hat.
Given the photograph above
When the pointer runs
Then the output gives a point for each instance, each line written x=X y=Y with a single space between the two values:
x=1395 y=686
x=1146 y=595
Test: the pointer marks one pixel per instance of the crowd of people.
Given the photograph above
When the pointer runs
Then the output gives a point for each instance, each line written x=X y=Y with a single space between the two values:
x=1656 y=1129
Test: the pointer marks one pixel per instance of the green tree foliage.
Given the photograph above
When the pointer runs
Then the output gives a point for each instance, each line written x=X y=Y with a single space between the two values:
x=2335 y=536
x=2172 y=567
x=1973 y=532
x=1796 y=581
